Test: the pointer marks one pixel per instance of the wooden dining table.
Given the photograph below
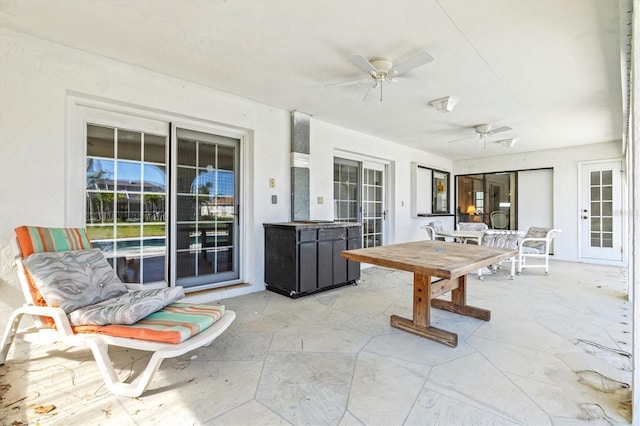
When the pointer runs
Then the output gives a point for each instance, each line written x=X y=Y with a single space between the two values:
x=438 y=268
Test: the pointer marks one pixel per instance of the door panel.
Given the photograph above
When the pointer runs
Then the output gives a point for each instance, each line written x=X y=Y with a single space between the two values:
x=601 y=211
x=207 y=187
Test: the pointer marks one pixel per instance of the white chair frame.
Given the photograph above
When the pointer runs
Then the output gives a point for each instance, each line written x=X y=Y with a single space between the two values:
x=523 y=256
x=98 y=343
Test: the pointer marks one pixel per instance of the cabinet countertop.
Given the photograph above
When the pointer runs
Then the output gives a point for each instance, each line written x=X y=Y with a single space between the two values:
x=313 y=224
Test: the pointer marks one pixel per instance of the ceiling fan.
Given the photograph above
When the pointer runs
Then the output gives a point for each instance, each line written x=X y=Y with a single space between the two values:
x=381 y=70
x=484 y=130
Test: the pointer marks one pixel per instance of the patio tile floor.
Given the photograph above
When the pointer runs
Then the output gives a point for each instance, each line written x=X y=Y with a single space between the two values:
x=556 y=351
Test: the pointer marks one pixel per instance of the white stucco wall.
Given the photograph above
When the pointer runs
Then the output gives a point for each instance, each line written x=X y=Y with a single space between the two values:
x=328 y=141
x=565 y=163
x=37 y=80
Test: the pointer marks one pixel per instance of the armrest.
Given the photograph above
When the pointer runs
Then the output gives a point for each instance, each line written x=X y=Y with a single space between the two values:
x=534 y=239
x=58 y=315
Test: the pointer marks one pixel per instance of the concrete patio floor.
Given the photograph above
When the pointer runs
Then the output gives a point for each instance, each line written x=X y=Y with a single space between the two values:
x=556 y=351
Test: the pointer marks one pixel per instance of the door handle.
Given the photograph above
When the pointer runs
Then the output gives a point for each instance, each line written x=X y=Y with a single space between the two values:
x=585 y=217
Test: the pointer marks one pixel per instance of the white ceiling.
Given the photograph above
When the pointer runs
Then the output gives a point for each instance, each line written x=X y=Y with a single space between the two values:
x=550 y=70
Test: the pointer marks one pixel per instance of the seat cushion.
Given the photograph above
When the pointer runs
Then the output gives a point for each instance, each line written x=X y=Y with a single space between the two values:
x=128 y=308
x=174 y=323
x=73 y=279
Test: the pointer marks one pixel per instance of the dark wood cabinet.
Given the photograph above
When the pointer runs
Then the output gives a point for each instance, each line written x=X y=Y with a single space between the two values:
x=304 y=257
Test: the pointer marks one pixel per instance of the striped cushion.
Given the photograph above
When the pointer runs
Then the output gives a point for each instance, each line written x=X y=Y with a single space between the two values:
x=36 y=239
x=175 y=323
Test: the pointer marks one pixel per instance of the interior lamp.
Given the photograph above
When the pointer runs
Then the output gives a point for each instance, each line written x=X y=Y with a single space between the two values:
x=471 y=209
x=444 y=104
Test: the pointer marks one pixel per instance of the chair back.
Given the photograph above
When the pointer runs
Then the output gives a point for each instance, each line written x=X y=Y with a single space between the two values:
x=499 y=220
x=472 y=226
x=431 y=233
x=436 y=225
x=540 y=246
x=37 y=239
x=501 y=238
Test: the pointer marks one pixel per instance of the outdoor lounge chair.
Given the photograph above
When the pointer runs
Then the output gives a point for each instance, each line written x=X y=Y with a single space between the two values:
x=536 y=245
x=59 y=265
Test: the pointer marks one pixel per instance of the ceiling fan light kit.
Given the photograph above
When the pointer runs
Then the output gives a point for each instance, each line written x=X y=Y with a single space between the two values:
x=444 y=104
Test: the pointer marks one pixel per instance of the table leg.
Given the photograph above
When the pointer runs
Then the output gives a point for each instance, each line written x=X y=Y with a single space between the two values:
x=458 y=303
x=421 y=315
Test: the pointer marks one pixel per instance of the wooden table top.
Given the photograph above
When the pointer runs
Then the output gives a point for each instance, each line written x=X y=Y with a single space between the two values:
x=434 y=258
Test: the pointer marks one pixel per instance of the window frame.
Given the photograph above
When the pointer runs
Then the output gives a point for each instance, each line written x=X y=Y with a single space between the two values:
x=425 y=186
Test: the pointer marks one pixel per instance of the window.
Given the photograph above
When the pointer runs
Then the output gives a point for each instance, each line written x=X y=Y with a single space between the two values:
x=601 y=205
x=429 y=191
x=126 y=187
x=480 y=195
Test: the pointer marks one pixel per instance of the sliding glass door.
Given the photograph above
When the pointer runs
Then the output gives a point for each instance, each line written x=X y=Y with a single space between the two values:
x=487 y=198
x=206 y=237
x=161 y=200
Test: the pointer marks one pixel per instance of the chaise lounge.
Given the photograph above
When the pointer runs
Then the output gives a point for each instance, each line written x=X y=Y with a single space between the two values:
x=72 y=292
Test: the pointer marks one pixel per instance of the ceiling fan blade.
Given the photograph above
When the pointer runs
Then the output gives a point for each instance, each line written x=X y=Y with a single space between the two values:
x=498 y=130
x=411 y=63
x=462 y=139
x=350 y=83
x=364 y=64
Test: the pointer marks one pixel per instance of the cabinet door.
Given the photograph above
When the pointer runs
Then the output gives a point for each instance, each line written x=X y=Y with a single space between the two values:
x=307 y=266
x=339 y=262
x=353 y=268
x=325 y=263
x=280 y=259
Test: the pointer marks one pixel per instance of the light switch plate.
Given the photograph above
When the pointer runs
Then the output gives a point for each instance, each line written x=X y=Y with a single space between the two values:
x=274 y=199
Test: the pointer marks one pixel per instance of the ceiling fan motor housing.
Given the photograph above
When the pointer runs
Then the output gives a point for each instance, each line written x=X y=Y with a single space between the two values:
x=382 y=64
x=483 y=128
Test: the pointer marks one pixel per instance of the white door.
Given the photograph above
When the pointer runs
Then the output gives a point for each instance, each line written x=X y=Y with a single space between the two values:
x=359 y=196
x=601 y=211
x=374 y=211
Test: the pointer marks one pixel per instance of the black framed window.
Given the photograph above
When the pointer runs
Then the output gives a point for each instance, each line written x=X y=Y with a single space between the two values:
x=431 y=193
